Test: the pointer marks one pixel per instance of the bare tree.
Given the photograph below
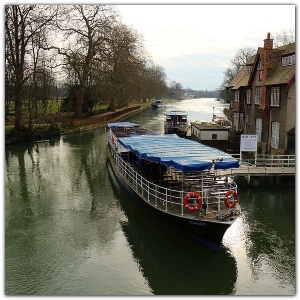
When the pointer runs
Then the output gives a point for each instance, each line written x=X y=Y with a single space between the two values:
x=125 y=56
x=156 y=81
x=85 y=29
x=241 y=58
x=284 y=38
x=176 y=89
x=22 y=24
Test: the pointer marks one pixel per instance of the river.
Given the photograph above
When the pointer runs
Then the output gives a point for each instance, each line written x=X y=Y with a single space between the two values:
x=70 y=229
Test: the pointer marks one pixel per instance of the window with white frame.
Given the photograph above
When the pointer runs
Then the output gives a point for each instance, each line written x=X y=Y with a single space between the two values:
x=237 y=96
x=248 y=96
x=275 y=96
x=258 y=95
x=258 y=128
x=275 y=135
x=288 y=60
x=293 y=59
x=249 y=68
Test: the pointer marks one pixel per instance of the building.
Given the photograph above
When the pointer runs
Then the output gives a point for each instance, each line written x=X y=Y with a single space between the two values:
x=264 y=98
x=210 y=134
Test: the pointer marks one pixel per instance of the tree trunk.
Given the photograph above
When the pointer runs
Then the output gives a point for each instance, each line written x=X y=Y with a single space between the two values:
x=18 y=113
x=79 y=102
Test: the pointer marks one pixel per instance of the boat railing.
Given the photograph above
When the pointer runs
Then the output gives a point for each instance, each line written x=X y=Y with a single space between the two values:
x=166 y=198
x=169 y=124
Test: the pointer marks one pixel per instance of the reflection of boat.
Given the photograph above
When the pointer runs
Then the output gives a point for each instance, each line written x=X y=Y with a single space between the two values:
x=171 y=262
x=176 y=122
x=158 y=104
x=178 y=178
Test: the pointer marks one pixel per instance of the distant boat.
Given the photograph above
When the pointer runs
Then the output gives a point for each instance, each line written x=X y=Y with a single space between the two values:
x=178 y=178
x=158 y=104
x=176 y=122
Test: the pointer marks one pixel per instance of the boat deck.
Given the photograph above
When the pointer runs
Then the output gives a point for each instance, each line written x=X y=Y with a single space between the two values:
x=190 y=194
x=170 y=186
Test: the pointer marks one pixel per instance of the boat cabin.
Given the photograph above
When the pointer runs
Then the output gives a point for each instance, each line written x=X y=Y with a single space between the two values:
x=211 y=134
x=158 y=103
x=176 y=122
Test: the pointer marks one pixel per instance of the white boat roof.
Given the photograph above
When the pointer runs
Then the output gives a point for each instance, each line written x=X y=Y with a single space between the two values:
x=176 y=113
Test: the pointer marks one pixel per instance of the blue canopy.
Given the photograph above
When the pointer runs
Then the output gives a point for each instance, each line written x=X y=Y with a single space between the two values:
x=122 y=124
x=182 y=154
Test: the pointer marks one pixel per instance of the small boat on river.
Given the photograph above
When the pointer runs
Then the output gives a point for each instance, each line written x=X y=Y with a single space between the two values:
x=178 y=178
x=176 y=122
x=158 y=104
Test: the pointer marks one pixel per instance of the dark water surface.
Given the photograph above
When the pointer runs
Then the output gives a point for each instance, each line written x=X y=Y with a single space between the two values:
x=70 y=229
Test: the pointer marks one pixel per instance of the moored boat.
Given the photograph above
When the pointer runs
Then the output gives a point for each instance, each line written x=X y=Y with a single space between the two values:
x=176 y=122
x=178 y=178
x=158 y=104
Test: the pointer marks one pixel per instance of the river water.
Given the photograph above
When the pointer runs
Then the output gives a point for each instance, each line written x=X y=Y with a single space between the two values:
x=70 y=229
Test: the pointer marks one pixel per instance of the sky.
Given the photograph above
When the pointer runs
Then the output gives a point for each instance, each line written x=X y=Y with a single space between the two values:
x=195 y=43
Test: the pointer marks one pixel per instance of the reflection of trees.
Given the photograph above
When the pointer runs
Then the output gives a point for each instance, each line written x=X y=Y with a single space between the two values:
x=90 y=161
x=17 y=180
x=271 y=235
x=50 y=189
x=172 y=262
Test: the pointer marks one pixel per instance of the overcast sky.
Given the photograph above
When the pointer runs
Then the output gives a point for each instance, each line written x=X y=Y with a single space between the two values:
x=195 y=43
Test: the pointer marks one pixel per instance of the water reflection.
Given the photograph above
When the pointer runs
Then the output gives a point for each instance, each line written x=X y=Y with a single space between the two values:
x=55 y=191
x=172 y=262
x=263 y=241
x=271 y=228
x=66 y=233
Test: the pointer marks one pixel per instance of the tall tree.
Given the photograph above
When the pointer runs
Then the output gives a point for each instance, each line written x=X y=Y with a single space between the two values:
x=85 y=29
x=125 y=55
x=22 y=24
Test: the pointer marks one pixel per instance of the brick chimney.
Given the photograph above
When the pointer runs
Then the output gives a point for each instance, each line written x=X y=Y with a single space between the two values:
x=268 y=42
x=267 y=68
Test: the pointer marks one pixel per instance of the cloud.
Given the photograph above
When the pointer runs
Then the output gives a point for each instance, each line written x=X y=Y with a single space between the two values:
x=182 y=38
x=197 y=71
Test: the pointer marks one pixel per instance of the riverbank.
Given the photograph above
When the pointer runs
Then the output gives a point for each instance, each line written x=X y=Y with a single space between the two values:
x=70 y=125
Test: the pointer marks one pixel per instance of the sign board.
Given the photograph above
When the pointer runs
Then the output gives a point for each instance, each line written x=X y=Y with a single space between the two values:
x=249 y=142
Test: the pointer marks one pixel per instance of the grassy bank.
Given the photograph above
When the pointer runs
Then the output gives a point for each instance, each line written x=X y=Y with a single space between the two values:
x=65 y=123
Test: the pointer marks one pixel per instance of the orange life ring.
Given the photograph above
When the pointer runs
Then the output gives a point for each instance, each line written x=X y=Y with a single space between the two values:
x=113 y=139
x=193 y=195
x=235 y=197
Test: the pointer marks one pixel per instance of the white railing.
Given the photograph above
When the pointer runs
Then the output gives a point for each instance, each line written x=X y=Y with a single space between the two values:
x=165 y=198
x=176 y=125
x=268 y=160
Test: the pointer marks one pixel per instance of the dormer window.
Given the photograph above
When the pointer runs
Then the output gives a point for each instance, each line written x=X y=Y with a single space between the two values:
x=288 y=60
x=249 y=68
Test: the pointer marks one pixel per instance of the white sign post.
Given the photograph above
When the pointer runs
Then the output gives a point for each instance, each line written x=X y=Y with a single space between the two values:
x=248 y=144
